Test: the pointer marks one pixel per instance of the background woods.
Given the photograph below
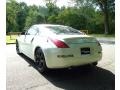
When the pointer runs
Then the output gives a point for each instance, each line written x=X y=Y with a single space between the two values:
x=96 y=16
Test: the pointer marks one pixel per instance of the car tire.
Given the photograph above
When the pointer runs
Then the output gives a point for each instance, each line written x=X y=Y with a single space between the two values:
x=40 y=61
x=17 y=48
x=95 y=63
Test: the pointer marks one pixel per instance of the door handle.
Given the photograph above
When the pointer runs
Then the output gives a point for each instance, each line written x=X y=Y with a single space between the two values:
x=32 y=39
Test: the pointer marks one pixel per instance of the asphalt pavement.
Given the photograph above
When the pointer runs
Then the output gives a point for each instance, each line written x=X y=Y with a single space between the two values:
x=106 y=40
x=23 y=75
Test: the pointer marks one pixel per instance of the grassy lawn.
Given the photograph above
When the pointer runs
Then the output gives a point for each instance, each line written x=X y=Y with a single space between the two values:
x=11 y=39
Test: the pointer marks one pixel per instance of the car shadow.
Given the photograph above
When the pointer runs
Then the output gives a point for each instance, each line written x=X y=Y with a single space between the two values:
x=81 y=78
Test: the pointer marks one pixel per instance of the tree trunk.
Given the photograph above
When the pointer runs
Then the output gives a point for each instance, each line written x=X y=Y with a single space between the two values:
x=106 y=19
x=104 y=7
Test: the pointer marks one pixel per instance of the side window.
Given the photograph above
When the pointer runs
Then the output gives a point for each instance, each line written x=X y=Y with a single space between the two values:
x=32 y=31
x=43 y=31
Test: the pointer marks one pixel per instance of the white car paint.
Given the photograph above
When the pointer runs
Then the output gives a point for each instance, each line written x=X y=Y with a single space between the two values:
x=60 y=57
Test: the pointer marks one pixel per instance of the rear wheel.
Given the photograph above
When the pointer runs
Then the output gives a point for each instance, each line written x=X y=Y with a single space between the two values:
x=40 y=61
x=17 y=48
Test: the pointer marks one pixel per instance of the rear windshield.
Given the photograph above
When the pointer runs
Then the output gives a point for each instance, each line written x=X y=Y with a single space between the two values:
x=64 y=30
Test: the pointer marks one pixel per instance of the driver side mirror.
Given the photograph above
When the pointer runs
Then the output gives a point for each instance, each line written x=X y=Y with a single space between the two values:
x=23 y=33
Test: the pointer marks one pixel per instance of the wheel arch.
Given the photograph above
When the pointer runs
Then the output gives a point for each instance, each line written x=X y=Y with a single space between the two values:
x=45 y=64
x=37 y=47
x=44 y=52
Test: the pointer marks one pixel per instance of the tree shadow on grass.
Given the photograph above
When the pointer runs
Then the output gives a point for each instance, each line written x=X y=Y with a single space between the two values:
x=81 y=78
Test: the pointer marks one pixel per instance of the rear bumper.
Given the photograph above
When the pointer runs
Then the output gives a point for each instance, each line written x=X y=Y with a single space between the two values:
x=67 y=57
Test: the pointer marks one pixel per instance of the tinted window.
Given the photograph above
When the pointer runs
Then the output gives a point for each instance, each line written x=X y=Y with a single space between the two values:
x=32 y=31
x=64 y=30
x=43 y=31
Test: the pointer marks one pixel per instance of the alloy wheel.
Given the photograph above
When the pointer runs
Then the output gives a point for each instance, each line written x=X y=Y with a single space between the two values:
x=40 y=60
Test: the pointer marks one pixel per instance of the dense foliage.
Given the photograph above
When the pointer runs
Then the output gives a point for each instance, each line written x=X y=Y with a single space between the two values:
x=83 y=16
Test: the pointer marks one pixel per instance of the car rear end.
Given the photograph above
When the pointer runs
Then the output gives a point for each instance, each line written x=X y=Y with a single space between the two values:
x=72 y=50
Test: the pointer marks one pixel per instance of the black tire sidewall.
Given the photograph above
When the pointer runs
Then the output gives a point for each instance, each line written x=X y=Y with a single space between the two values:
x=17 y=47
x=44 y=68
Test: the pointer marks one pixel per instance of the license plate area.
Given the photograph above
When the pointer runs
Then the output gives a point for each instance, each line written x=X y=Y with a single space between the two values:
x=85 y=51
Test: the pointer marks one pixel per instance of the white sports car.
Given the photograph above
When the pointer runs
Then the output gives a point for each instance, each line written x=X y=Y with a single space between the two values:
x=58 y=46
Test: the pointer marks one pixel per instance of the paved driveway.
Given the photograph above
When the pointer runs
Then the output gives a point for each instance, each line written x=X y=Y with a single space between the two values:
x=23 y=75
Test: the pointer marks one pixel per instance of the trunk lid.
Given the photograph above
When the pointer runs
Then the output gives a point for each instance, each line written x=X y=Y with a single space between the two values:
x=74 y=39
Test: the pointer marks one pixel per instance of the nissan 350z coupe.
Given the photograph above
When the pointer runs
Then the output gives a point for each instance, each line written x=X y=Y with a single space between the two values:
x=58 y=46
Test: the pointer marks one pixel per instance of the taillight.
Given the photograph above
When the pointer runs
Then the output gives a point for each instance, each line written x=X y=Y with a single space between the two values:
x=59 y=44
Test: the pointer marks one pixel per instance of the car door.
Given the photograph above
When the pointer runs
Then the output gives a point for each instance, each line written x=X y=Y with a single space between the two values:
x=29 y=38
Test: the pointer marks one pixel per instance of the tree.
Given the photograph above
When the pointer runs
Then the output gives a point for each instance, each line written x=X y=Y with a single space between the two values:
x=21 y=16
x=71 y=17
x=84 y=15
x=105 y=6
x=33 y=16
x=11 y=15
x=44 y=13
x=52 y=7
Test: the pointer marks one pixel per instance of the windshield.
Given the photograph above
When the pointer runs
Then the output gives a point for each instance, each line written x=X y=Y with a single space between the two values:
x=64 y=30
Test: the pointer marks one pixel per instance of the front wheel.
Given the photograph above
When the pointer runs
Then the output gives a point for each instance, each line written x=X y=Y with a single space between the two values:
x=40 y=61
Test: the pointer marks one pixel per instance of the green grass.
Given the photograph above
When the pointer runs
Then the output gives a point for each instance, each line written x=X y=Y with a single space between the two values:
x=11 y=39
x=102 y=35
